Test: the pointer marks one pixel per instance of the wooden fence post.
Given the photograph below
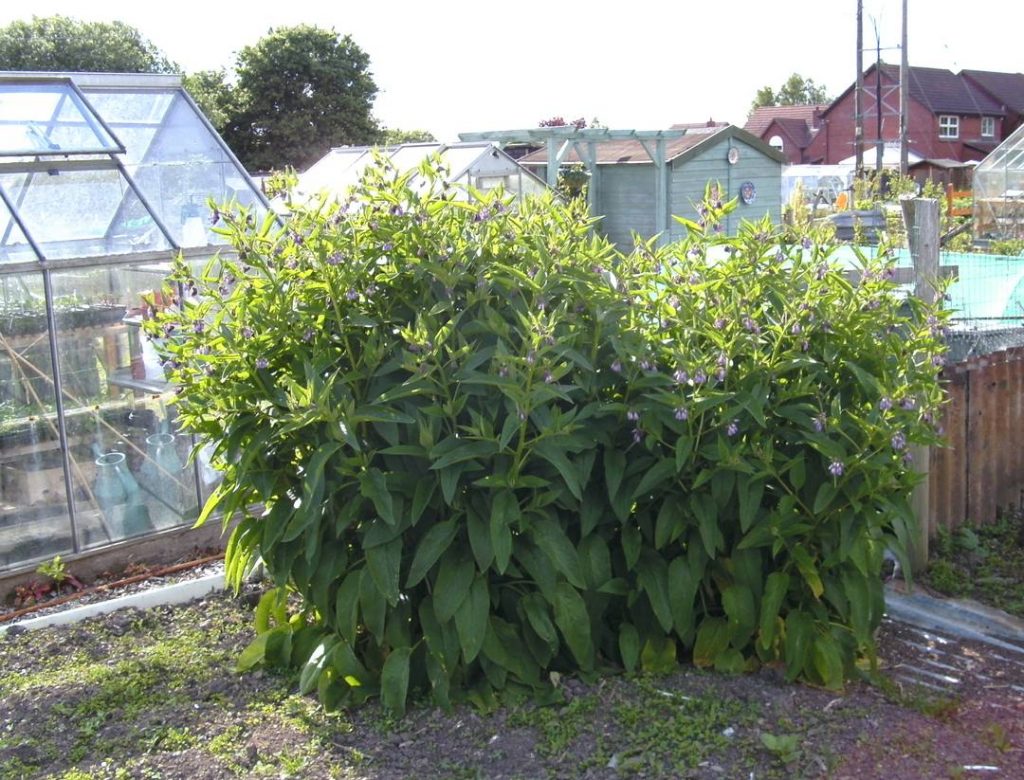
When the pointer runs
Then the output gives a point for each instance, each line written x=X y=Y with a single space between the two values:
x=921 y=219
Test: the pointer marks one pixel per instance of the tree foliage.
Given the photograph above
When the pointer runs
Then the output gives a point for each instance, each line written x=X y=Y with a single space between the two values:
x=59 y=43
x=796 y=91
x=300 y=91
x=213 y=95
x=394 y=136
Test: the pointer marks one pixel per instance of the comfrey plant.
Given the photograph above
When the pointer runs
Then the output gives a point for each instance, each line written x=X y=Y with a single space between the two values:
x=480 y=445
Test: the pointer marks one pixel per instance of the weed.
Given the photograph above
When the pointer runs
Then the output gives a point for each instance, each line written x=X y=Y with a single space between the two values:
x=785 y=747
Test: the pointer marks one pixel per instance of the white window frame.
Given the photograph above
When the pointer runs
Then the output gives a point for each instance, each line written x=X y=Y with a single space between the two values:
x=949 y=126
x=988 y=127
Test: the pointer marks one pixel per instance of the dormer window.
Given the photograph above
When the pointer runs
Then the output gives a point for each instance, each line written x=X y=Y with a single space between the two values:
x=775 y=142
x=988 y=127
x=949 y=126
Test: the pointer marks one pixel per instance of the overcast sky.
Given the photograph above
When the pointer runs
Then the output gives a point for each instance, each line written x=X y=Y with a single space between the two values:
x=450 y=66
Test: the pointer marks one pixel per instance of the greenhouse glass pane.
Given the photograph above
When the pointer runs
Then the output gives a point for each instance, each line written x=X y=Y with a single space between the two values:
x=34 y=519
x=13 y=245
x=130 y=469
x=49 y=118
x=184 y=166
x=82 y=213
x=134 y=116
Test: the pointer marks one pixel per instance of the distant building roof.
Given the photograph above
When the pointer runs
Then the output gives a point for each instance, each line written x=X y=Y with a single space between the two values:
x=762 y=116
x=1007 y=88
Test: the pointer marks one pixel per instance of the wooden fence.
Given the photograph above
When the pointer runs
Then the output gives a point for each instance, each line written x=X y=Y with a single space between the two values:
x=981 y=472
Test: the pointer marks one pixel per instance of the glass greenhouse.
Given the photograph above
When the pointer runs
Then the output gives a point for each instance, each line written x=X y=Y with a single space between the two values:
x=999 y=191
x=104 y=179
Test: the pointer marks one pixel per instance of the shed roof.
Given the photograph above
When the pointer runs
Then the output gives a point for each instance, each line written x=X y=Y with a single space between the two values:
x=630 y=151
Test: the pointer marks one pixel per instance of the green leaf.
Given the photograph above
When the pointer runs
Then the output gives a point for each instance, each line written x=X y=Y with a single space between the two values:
x=658 y=655
x=373 y=485
x=384 y=564
x=663 y=470
x=535 y=606
x=670 y=523
x=750 y=494
x=738 y=603
x=826 y=494
x=799 y=636
x=808 y=570
x=551 y=539
x=372 y=605
x=629 y=646
x=429 y=550
x=394 y=680
x=478 y=529
x=556 y=456
x=346 y=605
x=712 y=640
x=683 y=581
x=573 y=621
x=452 y=586
x=775 y=589
x=421 y=498
x=471 y=618
x=828 y=662
x=311 y=671
x=730 y=661
x=631 y=543
x=595 y=560
x=464 y=450
x=704 y=508
x=253 y=654
x=614 y=469
x=652 y=574
x=504 y=514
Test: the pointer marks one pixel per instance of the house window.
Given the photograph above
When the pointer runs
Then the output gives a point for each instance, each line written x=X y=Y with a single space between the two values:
x=949 y=126
x=988 y=127
x=775 y=142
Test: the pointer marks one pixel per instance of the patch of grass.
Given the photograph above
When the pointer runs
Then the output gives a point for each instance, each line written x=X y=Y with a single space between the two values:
x=557 y=727
x=983 y=562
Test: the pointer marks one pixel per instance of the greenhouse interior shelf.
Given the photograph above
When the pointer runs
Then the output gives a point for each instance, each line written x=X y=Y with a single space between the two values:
x=104 y=180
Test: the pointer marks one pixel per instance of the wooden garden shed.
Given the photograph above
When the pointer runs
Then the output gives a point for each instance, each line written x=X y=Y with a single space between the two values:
x=639 y=179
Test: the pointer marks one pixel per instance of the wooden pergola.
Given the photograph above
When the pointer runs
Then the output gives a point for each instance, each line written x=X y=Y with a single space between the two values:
x=561 y=140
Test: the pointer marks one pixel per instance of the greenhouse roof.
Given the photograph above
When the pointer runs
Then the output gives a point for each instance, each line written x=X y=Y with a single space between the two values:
x=101 y=165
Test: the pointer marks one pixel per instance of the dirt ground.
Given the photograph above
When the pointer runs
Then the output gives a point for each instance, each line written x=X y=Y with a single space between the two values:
x=154 y=695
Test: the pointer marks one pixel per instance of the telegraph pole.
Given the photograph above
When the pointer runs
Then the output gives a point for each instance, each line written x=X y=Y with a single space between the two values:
x=904 y=97
x=858 y=94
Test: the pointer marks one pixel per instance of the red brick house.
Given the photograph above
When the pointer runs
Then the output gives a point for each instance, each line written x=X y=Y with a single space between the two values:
x=787 y=129
x=952 y=117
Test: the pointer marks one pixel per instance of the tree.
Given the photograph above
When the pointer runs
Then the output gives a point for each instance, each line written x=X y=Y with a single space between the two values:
x=300 y=91
x=213 y=95
x=59 y=43
x=394 y=136
x=796 y=91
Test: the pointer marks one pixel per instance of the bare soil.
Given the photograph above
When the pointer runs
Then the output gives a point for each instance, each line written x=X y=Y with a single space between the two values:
x=154 y=695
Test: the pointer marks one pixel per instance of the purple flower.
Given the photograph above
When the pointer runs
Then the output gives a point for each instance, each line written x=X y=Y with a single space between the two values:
x=720 y=374
x=334 y=258
x=352 y=295
x=616 y=366
x=732 y=428
x=682 y=413
x=198 y=326
x=638 y=435
x=885 y=404
x=387 y=247
x=797 y=329
x=531 y=358
x=482 y=215
x=646 y=365
x=681 y=376
x=819 y=422
x=503 y=372
x=908 y=458
x=632 y=415
x=908 y=403
x=780 y=256
x=396 y=211
x=215 y=216
x=549 y=377
x=720 y=323
x=168 y=329
x=806 y=243
x=820 y=272
x=262 y=363
x=308 y=335
x=836 y=468
x=805 y=345
x=700 y=377
x=938 y=361
x=694 y=278
x=898 y=441
x=751 y=325
x=247 y=332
